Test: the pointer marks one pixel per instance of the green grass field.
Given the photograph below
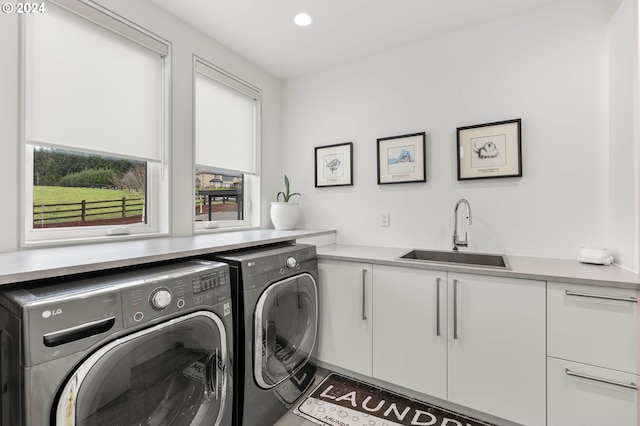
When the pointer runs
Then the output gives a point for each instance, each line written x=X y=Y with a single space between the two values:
x=59 y=194
x=45 y=195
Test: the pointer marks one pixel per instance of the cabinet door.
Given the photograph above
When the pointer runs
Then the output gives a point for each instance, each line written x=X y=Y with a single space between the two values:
x=581 y=395
x=497 y=355
x=409 y=337
x=593 y=325
x=345 y=323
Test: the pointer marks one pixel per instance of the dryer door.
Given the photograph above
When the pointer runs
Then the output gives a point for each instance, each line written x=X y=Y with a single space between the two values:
x=285 y=327
x=170 y=374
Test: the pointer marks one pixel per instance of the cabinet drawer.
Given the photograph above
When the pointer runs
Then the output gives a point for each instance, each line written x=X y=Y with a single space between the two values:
x=579 y=395
x=593 y=325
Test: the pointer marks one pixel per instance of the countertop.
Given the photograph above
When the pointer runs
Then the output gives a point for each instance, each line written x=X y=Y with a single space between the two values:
x=536 y=268
x=32 y=264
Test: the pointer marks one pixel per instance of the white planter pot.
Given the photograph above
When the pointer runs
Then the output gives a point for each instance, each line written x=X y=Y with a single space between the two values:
x=285 y=215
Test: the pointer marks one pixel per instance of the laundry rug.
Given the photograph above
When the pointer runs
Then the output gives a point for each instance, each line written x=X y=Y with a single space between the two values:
x=341 y=401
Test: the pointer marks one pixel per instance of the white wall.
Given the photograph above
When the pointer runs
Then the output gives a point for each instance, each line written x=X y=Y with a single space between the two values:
x=185 y=42
x=548 y=66
x=623 y=134
x=9 y=132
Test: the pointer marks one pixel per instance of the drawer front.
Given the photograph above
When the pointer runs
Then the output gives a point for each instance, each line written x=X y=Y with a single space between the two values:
x=593 y=325
x=579 y=395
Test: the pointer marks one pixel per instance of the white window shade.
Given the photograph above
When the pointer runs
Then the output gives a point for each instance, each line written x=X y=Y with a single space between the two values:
x=90 y=89
x=225 y=124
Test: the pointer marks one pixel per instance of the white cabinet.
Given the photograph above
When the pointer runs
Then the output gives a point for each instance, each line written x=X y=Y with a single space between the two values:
x=531 y=352
x=593 y=325
x=592 y=368
x=478 y=341
x=581 y=394
x=410 y=332
x=345 y=316
x=497 y=346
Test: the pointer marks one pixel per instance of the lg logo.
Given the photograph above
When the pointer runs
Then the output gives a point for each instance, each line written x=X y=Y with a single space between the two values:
x=52 y=313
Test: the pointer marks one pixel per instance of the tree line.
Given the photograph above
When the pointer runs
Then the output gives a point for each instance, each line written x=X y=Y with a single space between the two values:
x=54 y=167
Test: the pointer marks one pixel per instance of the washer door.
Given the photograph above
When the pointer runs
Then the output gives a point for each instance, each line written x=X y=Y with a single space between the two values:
x=285 y=327
x=170 y=374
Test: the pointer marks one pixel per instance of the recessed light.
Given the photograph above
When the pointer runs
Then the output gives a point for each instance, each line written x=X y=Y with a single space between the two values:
x=303 y=19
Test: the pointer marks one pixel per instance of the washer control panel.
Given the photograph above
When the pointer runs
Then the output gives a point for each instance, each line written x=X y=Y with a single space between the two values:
x=205 y=284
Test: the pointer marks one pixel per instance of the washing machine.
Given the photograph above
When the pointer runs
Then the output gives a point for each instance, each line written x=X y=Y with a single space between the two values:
x=144 y=347
x=275 y=306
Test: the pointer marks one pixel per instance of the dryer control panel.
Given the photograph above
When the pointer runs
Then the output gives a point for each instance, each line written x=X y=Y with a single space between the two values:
x=260 y=267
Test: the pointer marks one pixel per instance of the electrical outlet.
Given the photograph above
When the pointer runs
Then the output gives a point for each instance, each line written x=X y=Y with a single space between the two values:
x=385 y=219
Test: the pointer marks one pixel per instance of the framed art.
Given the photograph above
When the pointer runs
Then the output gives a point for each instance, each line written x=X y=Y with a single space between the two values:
x=401 y=159
x=334 y=165
x=491 y=150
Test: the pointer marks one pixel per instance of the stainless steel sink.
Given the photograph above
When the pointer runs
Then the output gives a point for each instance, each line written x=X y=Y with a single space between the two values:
x=458 y=258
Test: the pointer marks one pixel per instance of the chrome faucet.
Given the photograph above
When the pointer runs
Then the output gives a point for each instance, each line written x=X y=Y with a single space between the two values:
x=457 y=242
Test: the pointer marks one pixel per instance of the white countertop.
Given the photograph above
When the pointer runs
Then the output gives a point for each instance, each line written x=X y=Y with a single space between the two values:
x=537 y=268
x=32 y=264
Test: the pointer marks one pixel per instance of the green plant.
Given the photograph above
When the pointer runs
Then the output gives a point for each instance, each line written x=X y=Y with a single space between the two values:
x=286 y=195
x=88 y=177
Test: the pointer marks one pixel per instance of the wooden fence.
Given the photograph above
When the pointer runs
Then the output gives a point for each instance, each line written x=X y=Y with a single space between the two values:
x=85 y=211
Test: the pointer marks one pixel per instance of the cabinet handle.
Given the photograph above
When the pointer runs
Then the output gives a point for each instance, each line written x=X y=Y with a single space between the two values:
x=437 y=306
x=364 y=293
x=630 y=385
x=455 y=309
x=602 y=296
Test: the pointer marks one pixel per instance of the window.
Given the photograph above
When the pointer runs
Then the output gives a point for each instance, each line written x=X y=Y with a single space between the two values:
x=73 y=189
x=226 y=129
x=94 y=126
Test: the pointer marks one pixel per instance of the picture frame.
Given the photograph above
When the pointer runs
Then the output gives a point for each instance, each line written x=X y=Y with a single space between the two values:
x=334 y=165
x=491 y=150
x=402 y=159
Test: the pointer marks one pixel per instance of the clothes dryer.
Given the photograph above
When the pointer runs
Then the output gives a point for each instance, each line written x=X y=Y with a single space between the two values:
x=275 y=305
x=150 y=347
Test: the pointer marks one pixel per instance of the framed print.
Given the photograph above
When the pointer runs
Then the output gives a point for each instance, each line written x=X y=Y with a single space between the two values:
x=401 y=159
x=334 y=165
x=490 y=150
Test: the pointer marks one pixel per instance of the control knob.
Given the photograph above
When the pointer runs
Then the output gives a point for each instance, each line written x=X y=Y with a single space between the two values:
x=160 y=298
x=291 y=262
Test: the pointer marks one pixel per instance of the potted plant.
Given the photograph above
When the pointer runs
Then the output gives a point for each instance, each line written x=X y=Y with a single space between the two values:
x=285 y=213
